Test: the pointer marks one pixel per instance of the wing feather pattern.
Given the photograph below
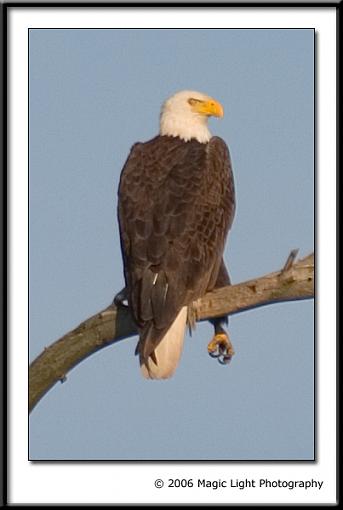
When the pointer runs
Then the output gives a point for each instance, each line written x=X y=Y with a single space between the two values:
x=176 y=205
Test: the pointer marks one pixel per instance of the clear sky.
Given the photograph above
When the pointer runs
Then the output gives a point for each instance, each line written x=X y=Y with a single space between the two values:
x=93 y=93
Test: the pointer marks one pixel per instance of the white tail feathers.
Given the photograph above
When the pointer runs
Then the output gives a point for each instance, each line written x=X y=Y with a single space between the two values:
x=168 y=351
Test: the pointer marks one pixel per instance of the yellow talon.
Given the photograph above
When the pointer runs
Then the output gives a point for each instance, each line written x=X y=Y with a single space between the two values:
x=218 y=339
x=220 y=345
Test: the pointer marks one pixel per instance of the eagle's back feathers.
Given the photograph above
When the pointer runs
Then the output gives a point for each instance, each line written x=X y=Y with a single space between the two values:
x=176 y=205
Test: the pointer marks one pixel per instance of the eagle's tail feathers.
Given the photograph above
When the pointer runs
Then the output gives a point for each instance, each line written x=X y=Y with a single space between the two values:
x=161 y=364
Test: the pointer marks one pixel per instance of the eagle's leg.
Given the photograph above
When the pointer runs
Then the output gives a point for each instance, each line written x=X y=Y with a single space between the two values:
x=120 y=298
x=220 y=346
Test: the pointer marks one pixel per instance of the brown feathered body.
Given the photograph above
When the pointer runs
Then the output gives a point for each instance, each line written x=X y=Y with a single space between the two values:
x=176 y=205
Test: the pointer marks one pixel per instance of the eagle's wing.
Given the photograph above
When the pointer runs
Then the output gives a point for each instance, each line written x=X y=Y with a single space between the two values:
x=176 y=204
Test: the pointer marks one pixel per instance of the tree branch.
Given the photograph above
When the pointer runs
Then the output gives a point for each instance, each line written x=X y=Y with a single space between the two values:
x=294 y=282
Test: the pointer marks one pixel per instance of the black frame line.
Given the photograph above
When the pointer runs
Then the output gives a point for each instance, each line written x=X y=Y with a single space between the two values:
x=4 y=8
x=241 y=461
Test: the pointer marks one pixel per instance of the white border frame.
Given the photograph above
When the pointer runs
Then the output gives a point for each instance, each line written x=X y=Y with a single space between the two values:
x=101 y=483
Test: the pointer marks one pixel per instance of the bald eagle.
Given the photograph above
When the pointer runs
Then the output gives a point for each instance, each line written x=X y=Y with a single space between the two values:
x=176 y=204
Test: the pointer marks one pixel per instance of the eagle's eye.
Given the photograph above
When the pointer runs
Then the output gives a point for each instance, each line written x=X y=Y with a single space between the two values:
x=192 y=101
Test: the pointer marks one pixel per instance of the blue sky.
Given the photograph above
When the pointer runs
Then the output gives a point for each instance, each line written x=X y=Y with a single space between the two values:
x=93 y=93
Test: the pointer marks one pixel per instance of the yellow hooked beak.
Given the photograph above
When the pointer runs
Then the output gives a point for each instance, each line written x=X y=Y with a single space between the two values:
x=208 y=107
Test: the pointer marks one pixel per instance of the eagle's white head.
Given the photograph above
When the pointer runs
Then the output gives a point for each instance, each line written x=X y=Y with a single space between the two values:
x=185 y=114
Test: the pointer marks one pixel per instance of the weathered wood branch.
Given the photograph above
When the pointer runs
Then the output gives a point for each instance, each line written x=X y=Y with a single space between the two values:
x=294 y=282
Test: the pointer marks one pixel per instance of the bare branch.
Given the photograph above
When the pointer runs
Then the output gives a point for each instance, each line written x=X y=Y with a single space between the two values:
x=294 y=282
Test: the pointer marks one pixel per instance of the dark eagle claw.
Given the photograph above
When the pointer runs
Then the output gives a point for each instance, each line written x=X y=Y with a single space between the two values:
x=214 y=354
x=120 y=299
x=225 y=360
x=221 y=347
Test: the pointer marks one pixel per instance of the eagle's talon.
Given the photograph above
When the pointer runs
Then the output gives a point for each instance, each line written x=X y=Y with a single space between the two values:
x=214 y=354
x=221 y=348
x=225 y=360
x=120 y=298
